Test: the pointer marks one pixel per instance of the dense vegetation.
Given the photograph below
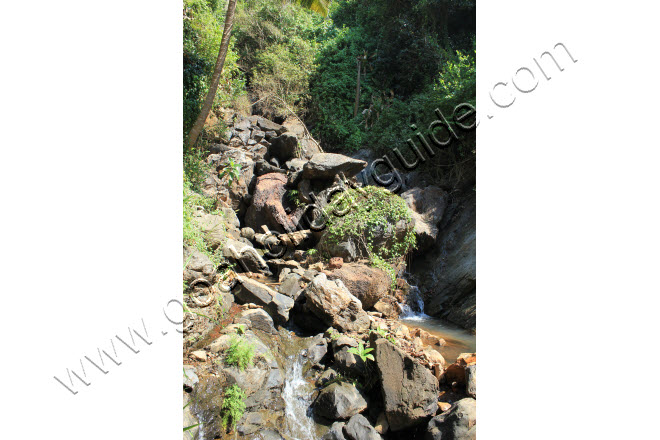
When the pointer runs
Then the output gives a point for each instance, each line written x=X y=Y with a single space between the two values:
x=415 y=56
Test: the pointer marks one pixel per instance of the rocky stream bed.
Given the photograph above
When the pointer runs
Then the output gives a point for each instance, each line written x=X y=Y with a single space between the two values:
x=342 y=345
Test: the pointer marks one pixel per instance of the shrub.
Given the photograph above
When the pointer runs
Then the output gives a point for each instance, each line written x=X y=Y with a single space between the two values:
x=240 y=353
x=362 y=352
x=370 y=208
x=233 y=406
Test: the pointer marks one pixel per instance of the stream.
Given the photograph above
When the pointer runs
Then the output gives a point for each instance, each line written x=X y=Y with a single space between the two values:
x=298 y=391
x=458 y=339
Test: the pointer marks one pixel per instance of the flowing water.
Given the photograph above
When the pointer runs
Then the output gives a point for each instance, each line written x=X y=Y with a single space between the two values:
x=457 y=340
x=297 y=393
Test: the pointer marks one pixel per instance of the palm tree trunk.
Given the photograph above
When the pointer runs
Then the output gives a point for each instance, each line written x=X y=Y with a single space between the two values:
x=215 y=79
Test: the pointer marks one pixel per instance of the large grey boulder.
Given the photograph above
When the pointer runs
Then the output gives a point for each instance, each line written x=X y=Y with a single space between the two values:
x=308 y=147
x=457 y=423
x=348 y=363
x=336 y=432
x=410 y=390
x=258 y=319
x=428 y=205
x=245 y=255
x=328 y=165
x=447 y=274
x=334 y=304
x=266 y=125
x=317 y=349
x=284 y=147
x=239 y=190
x=276 y=304
x=197 y=265
x=359 y=428
x=340 y=400
x=291 y=286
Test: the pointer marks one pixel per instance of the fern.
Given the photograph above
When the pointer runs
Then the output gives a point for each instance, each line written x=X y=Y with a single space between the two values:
x=233 y=407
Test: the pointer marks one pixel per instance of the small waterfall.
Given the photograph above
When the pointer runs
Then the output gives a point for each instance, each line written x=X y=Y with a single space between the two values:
x=297 y=395
x=413 y=307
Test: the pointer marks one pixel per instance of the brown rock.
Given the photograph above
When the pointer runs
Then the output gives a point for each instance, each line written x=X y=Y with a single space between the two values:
x=434 y=357
x=444 y=406
x=455 y=373
x=428 y=339
x=336 y=263
x=467 y=359
x=334 y=304
x=266 y=208
x=367 y=283
x=388 y=307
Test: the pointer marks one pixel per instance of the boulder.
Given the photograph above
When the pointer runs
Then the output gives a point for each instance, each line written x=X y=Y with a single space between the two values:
x=340 y=400
x=284 y=147
x=336 y=432
x=245 y=255
x=368 y=284
x=307 y=145
x=448 y=271
x=428 y=205
x=458 y=423
x=291 y=286
x=471 y=381
x=317 y=349
x=258 y=319
x=266 y=125
x=266 y=208
x=348 y=363
x=359 y=428
x=238 y=192
x=328 y=165
x=190 y=377
x=262 y=167
x=410 y=390
x=455 y=373
x=197 y=265
x=189 y=420
x=334 y=304
x=206 y=404
x=276 y=304
x=388 y=307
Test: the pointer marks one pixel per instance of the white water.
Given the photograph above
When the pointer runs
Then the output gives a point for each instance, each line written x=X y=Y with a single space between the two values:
x=297 y=397
x=413 y=308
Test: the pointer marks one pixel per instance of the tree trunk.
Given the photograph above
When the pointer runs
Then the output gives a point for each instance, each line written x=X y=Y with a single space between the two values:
x=215 y=79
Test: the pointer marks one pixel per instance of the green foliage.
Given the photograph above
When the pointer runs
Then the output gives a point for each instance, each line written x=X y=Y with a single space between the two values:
x=384 y=333
x=233 y=406
x=240 y=353
x=192 y=232
x=369 y=209
x=410 y=66
x=277 y=44
x=362 y=352
x=203 y=23
x=232 y=170
x=380 y=263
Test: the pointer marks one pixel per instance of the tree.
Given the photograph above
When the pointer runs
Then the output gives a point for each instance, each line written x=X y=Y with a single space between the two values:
x=318 y=6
